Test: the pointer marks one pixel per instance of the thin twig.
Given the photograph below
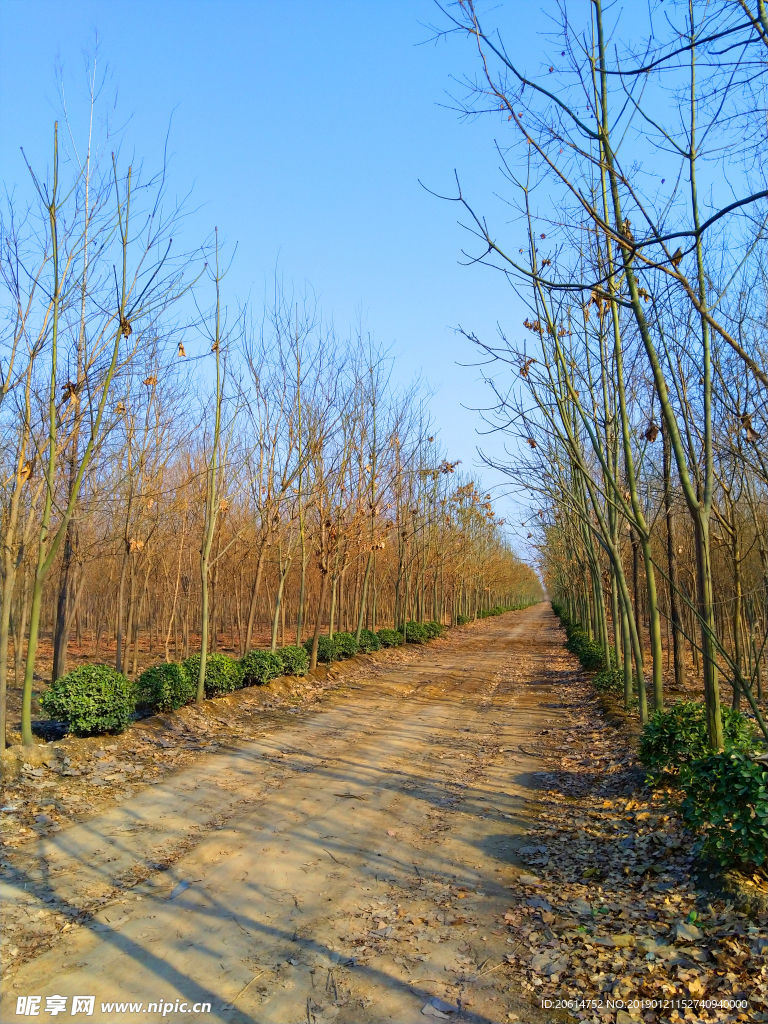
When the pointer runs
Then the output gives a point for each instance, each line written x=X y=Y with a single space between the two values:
x=242 y=991
x=483 y=973
x=343 y=864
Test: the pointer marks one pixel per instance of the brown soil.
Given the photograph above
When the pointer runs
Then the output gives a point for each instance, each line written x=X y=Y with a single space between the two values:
x=346 y=858
x=458 y=832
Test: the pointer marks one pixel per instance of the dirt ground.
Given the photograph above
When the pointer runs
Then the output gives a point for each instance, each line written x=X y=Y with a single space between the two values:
x=350 y=862
x=460 y=831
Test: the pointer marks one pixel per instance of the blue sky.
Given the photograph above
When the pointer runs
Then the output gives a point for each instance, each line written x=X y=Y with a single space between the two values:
x=302 y=128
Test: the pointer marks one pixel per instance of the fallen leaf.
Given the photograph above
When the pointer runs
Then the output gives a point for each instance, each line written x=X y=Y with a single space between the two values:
x=444 y=1007
x=687 y=932
x=537 y=901
x=431 y=1011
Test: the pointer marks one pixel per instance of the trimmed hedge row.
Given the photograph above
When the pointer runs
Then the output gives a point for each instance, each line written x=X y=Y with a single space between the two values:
x=222 y=673
x=96 y=699
x=414 y=633
x=326 y=648
x=726 y=802
x=421 y=632
x=259 y=667
x=588 y=651
x=498 y=609
x=609 y=680
x=166 y=686
x=93 y=699
x=369 y=642
x=724 y=795
x=389 y=637
x=678 y=734
x=343 y=645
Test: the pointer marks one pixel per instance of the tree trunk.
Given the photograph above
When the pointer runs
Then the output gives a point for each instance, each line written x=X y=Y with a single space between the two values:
x=120 y=603
x=302 y=593
x=316 y=634
x=65 y=599
x=10 y=563
x=278 y=604
x=738 y=651
x=364 y=596
x=333 y=607
x=636 y=586
x=674 y=585
x=129 y=627
x=707 y=632
x=254 y=598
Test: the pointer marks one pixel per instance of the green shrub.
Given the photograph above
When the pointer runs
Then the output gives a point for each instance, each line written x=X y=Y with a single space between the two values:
x=414 y=632
x=326 y=648
x=609 y=680
x=570 y=625
x=346 y=645
x=166 y=687
x=434 y=630
x=462 y=620
x=560 y=612
x=488 y=613
x=222 y=673
x=499 y=609
x=295 y=660
x=678 y=734
x=93 y=699
x=592 y=656
x=575 y=637
x=368 y=641
x=258 y=667
x=588 y=651
x=726 y=801
x=389 y=637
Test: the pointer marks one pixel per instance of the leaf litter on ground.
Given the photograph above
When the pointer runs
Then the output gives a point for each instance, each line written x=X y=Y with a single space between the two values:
x=610 y=909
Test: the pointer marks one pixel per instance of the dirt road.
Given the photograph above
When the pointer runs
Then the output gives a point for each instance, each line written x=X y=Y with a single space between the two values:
x=350 y=864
